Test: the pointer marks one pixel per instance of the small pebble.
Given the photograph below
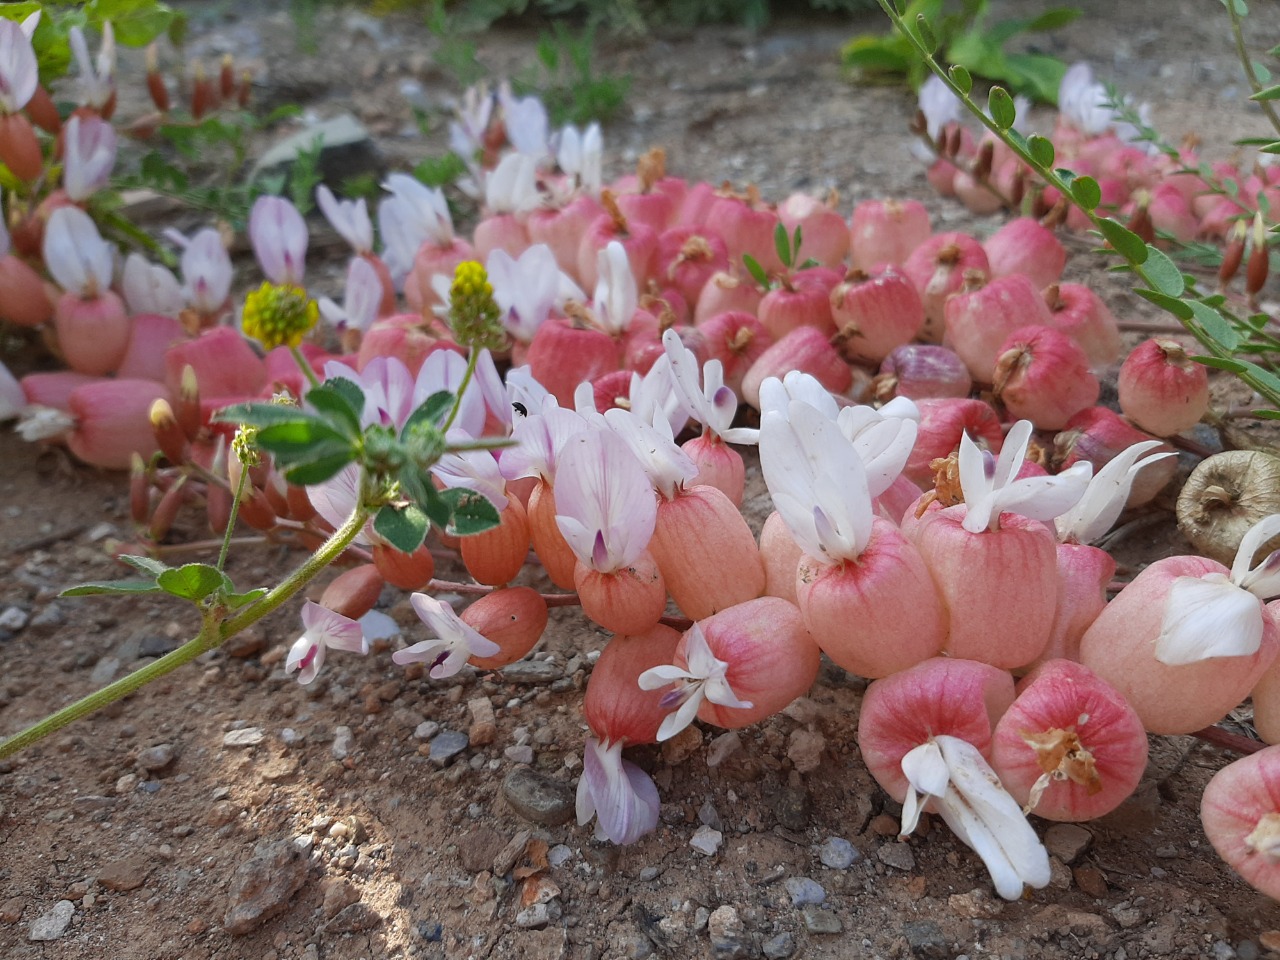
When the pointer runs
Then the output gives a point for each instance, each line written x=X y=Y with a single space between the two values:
x=729 y=940
x=426 y=730
x=804 y=891
x=156 y=758
x=723 y=747
x=248 y=737
x=343 y=739
x=531 y=672
x=522 y=754
x=897 y=855
x=559 y=855
x=446 y=745
x=14 y=619
x=706 y=840
x=779 y=947
x=818 y=920
x=838 y=853
x=648 y=873
x=53 y=923
x=1067 y=841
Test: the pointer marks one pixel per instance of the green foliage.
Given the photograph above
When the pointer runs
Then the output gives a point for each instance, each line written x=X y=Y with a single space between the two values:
x=568 y=82
x=961 y=33
x=197 y=582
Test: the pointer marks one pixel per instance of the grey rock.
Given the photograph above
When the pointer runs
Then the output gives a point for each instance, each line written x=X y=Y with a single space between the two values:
x=779 y=947
x=708 y=815
x=636 y=947
x=560 y=854
x=897 y=855
x=1067 y=841
x=263 y=885
x=729 y=939
x=535 y=917
x=53 y=923
x=248 y=737
x=346 y=150
x=838 y=853
x=531 y=672
x=804 y=891
x=90 y=802
x=426 y=730
x=13 y=619
x=706 y=841
x=521 y=754
x=648 y=873
x=926 y=939
x=446 y=745
x=723 y=747
x=47 y=620
x=1247 y=950
x=154 y=759
x=792 y=807
x=343 y=739
x=819 y=921
x=104 y=671
x=538 y=798
x=157 y=645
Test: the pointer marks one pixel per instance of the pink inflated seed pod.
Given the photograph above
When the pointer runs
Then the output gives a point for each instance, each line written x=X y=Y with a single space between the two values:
x=875 y=313
x=922 y=371
x=615 y=707
x=1028 y=247
x=727 y=291
x=886 y=231
x=942 y=423
x=984 y=314
x=1069 y=747
x=826 y=237
x=1240 y=811
x=805 y=349
x=1098 y=434
x=513 y=618
x=1080 y=313
x=1162 y=390
x=1041 y=375
x=736 y=339
x=781 y=557
x=937 y=267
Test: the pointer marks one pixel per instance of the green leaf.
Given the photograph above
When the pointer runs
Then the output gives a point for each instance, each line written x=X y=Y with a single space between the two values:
x=1267 y=414
x=431 y=411
x=193 y=581
x=1041 y=150
x=237 y=600
x=263 y=414
x=1086 y=192
x=146 y=565
x=135 y=22
x=109 y=587
x=1271 y=148
x=782 y=244
x=1172 y=305
x=437 y=509
x=404 y=528
x=1054 y=19
x=1222 y=363
x=1001 y=106
x=1262 y=73
x=875 y=55
x=1241 y=8
x=796 y=240
x=756 y=271
x=925 y=33
x=472 y=512
x=961 y=78
x=319 y=469
x=1215 y=324
x=1269 y=93
x=342 y=401
x=1036 y=75
x=1269 y=380
x=1163 y=273
x=290 y=442
x=1126 y=243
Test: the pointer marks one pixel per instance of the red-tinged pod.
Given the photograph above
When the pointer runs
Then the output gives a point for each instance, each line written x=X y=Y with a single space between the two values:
x=729 y=291
x=1080 y=313
x=942 y=696
x=432 y=259
x=139 y=490
x=1084 y=573
x=19 y=148
x=93 y=334
x=53 y=389
x=562 y=229
x=1162 y=390
x=781 y=557
x=875 y=615
x=112 y=421
x=557 y=557
x=719 y=466
x=501 y=231
x=1266 y=693
x=255 y=510
x=942 y=423
x=771 y=657
x=300 y=507
x=24 y=299
x=804 y=301
x=1025 y=246
x=639 y=240
x=245 y=90
x=937 y=267
x=612 y=391
x=151 y=337
x=874 y=314
x=217 y=506
x=43 y=111
x=1098 y=434
x=984 y=314
x=563 y=354
x=408 y=571
x=629 y=600
x=1069 y=748
x=187 y=407
x=407 y=337
x=706 y=552
x=886 y=231
x=170 y=437
x=513 y=618
x=353 y=592
x=747 y=225
x=825 y=234
x=1120 y=647
x=497 y=555
x=972 y=190
x=922 y=371
x=737 y=340
x=224 y=364
x=166 y=510
x=614 y=705
x=1240 y=811
x=1012 y=570
x=227 y=77
x=805 y=349
x=1043 y=376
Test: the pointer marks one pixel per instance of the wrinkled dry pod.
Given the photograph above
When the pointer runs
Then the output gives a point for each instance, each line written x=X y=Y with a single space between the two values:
x=1226 y=495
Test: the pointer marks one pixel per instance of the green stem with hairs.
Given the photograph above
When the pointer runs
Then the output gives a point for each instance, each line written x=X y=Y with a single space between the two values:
x=462 y=389
x=305 y=367
x=1242 y=52
x=214 y=630
x=231 y=519
x=1211 y=345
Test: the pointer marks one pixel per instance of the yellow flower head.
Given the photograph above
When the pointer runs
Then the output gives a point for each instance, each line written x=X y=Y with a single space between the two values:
x=473 y=312
x=279 y=314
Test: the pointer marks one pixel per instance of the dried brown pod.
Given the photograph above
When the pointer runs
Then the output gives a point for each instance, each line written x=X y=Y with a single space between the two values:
x=1226 y=495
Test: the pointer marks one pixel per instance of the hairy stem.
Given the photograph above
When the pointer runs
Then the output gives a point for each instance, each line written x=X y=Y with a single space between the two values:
x=1243 y=53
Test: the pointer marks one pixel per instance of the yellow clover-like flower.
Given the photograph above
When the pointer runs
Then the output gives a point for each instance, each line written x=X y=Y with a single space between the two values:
x=473 y=311
x=279 y=315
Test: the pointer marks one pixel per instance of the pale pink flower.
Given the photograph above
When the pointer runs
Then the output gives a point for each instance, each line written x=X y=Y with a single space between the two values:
x=206 y=272
x=453 y=645
x=75 y=254
x=349 y=217
x=324 y=630
x=279 y=237
x=617 y=793
x=361 y=301
x=704 y=678
x=150 y=287
x=96 y=79
x=90 y=156
x=605 y=505
x=19 y=72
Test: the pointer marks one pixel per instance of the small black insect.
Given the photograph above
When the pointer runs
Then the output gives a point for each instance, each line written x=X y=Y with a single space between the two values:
x=520 y=408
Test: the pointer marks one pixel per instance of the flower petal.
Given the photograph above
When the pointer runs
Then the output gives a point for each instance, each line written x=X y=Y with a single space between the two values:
x=657 y=677
x=673 y=723
x=623 y=798
x=1251 y=543
x=1208 y=617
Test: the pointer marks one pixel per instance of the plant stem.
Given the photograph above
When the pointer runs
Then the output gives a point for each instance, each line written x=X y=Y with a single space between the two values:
x=213 y=632
x=462 y=389
x=305 y=367
x=231 y=518
x=1242 y=52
